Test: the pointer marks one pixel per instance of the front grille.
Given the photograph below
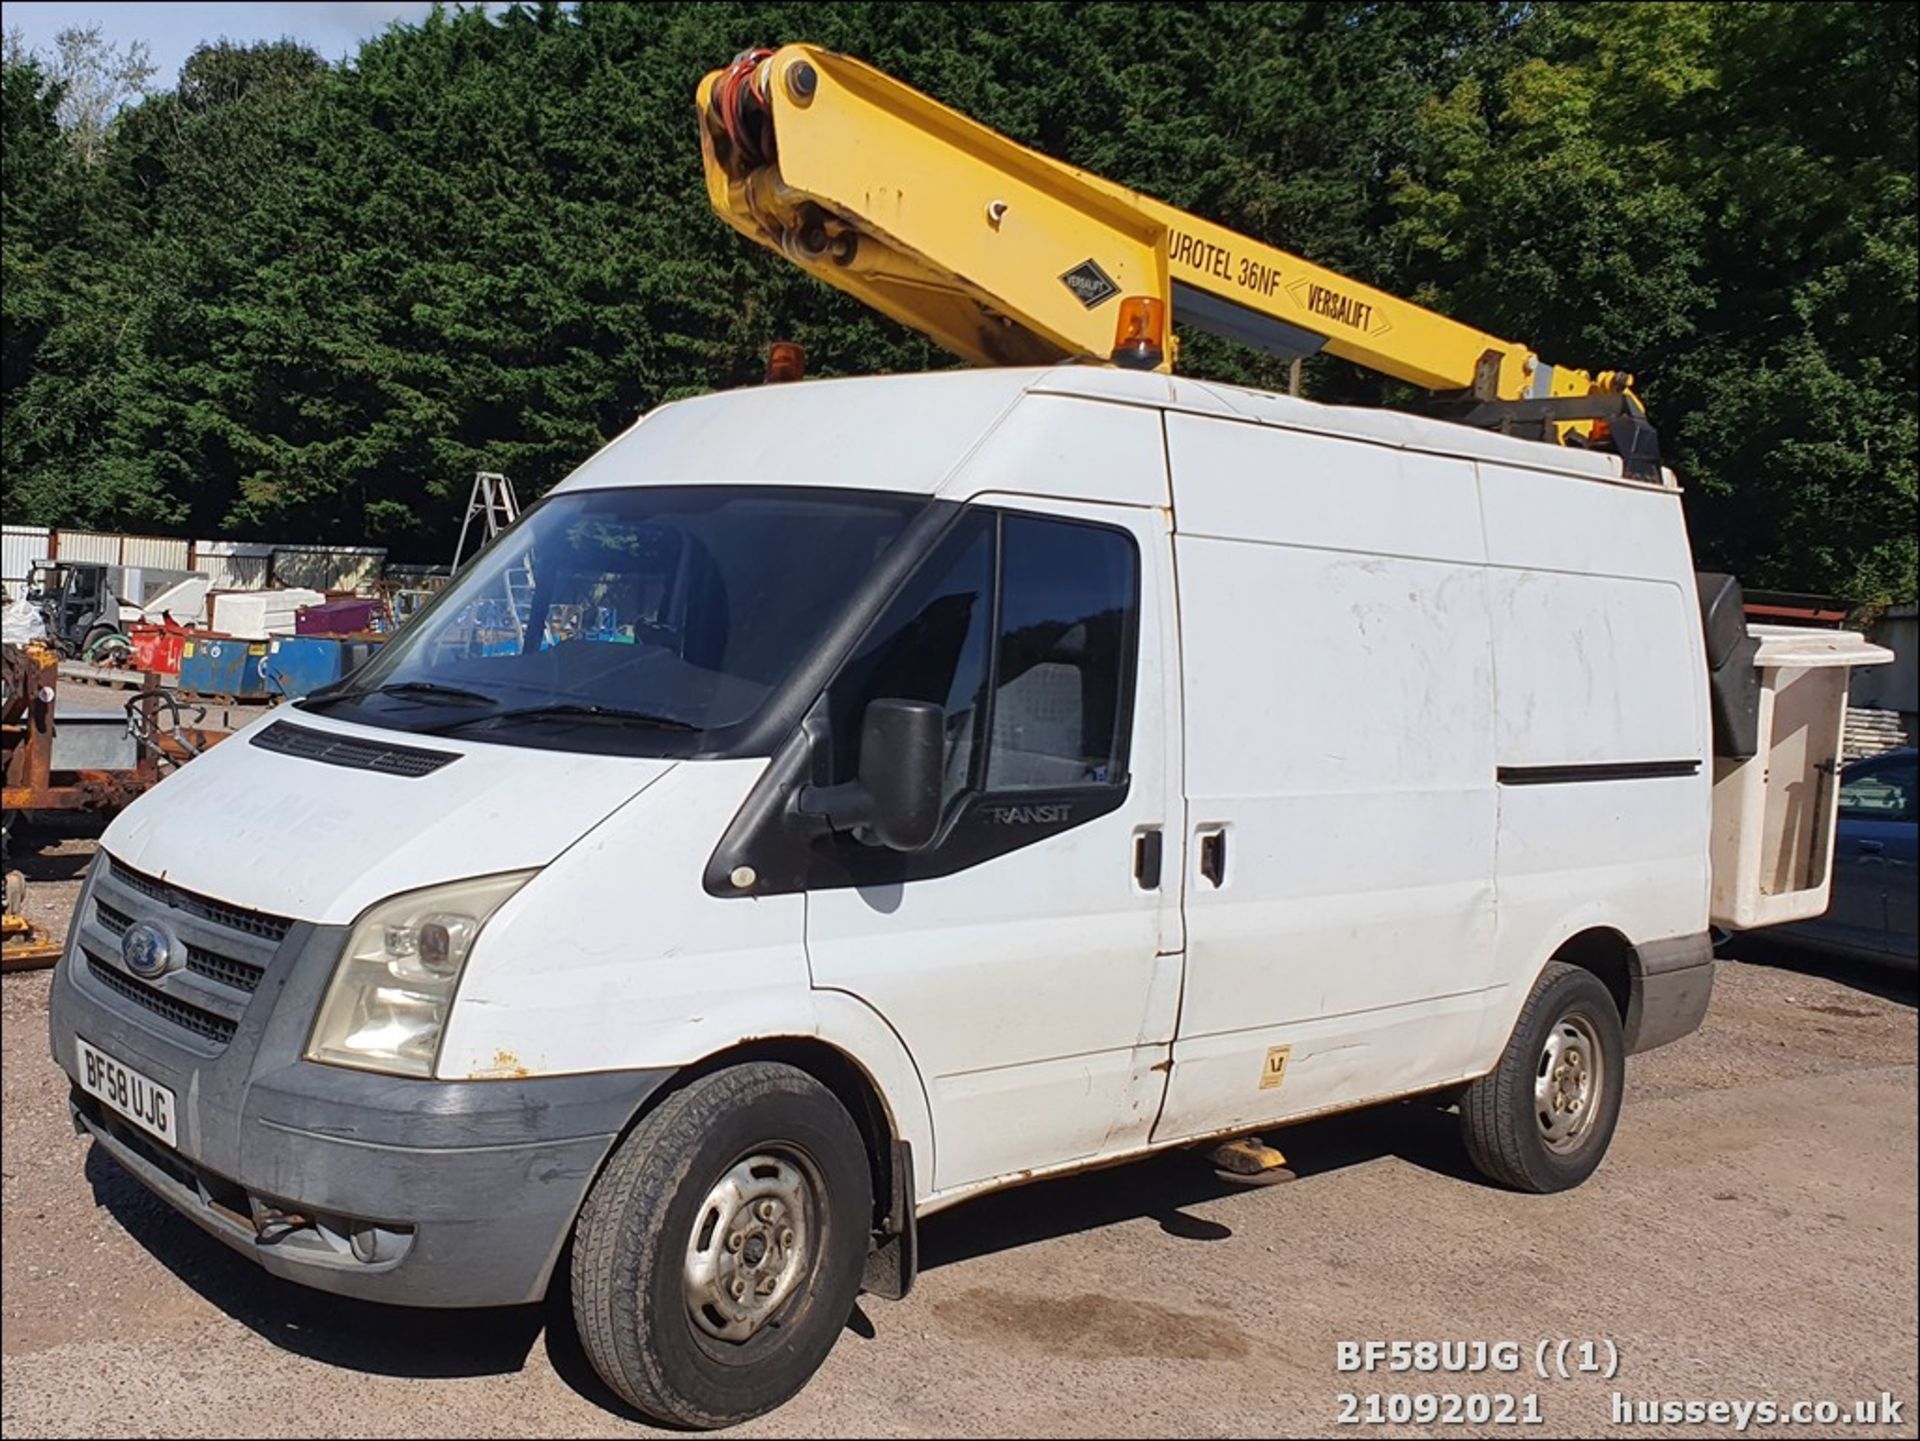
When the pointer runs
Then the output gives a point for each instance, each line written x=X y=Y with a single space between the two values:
x=225 y=969
x=253 y=923
x=183 y=1014
x=352 y=752
x=241 y=975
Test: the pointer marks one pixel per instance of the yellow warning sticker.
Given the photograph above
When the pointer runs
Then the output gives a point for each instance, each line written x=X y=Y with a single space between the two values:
x=1275 y=1071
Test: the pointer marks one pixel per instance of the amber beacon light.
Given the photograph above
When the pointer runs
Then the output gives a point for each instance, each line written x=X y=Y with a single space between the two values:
x=1140 y=337
x=786 y=360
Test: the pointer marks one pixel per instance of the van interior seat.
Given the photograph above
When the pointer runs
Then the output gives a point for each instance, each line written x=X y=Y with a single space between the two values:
x=1039 y=720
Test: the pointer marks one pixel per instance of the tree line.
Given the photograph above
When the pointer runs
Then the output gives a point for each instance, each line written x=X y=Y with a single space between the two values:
x=292 y=298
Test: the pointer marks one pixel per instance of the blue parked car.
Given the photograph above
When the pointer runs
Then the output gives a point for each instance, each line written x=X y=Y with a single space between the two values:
x=1876 y=887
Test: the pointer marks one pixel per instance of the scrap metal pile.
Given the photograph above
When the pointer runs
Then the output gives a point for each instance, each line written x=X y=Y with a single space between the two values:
x=76 y=759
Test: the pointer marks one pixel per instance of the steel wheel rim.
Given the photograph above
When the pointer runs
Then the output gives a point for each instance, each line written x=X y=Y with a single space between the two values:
x=753 y=1245
x=1568 y=1083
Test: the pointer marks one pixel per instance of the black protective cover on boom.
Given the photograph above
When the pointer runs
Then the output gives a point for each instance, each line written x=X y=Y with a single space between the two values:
x=1633 y=435
x=1733 y=681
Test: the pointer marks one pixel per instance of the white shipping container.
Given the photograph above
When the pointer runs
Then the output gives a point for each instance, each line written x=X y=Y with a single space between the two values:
x=258 y=614
x=20 y=547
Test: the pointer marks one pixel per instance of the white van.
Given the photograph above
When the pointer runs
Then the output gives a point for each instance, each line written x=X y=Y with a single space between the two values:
x=840 y=799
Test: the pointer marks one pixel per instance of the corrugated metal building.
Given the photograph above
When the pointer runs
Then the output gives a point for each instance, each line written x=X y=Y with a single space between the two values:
x=157 y=551
x=112 y=548
x=235 y=564
x=328 y=567
x=97 y=545
x=20 y=547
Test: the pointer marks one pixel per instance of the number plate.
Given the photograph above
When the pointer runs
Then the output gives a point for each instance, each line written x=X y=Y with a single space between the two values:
x=146 y=1103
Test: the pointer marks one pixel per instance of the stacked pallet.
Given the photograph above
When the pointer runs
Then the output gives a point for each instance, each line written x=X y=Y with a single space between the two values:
x=1869 y=732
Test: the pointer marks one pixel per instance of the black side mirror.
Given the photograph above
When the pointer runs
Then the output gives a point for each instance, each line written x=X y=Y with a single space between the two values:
x=897 y=796
x=903 y=746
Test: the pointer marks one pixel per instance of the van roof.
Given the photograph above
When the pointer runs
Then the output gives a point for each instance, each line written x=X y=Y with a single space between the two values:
x=909 y=432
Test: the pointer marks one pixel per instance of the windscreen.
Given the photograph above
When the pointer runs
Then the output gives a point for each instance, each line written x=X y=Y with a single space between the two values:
x=664 y=610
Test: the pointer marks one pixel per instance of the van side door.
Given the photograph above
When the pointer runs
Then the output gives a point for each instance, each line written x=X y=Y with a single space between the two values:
x=1339 y=772
x=1029 y=959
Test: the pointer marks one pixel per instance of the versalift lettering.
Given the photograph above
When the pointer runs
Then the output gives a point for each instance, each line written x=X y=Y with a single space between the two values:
x=1342 y=308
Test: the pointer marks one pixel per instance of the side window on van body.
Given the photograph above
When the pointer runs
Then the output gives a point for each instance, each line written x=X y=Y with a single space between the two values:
x=1024 y=629
x=1068 y=613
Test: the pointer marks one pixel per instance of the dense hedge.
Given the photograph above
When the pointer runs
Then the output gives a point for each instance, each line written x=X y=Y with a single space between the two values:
x=296 y=299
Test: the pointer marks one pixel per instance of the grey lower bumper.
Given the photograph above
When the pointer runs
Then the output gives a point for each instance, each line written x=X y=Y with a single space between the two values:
x=421 y=1193
x=1672 y=983
x=409 y=1223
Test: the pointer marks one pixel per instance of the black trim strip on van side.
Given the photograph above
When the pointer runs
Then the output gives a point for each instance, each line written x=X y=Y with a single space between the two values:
x=1606 y=771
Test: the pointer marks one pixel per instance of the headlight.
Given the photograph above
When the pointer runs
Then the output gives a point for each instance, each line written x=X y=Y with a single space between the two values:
x=394 y=982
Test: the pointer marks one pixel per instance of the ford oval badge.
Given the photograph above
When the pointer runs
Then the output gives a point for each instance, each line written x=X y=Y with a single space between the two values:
x=147 y=950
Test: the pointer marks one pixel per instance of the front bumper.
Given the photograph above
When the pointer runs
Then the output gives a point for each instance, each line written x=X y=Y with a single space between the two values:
x=421 y=1193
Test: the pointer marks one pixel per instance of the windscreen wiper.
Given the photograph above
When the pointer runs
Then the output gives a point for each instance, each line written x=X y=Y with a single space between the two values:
x=575 y=710
x=429 y=688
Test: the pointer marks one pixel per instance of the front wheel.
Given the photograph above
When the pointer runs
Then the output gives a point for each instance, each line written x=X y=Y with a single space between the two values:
x=105 y=646
x=1541 y=1120
x=719 y=1254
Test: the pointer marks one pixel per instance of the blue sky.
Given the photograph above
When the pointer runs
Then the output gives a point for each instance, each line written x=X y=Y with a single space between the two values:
x=174 y=27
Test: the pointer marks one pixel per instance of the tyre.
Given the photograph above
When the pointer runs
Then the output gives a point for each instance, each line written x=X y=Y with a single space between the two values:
x=1542 y=1118
x=720 y=1252
x=104 y=641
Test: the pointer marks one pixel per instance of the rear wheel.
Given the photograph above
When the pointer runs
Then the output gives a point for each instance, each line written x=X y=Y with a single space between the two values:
x=719 y=1254
x=1541 y=1120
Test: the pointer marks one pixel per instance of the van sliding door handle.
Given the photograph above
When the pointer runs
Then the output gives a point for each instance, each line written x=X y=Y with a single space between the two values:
x=1146 y=859
x=1213 y=857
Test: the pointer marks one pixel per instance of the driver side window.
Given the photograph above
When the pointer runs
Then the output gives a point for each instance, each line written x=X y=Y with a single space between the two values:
x=1022 y=628
x=930 y=645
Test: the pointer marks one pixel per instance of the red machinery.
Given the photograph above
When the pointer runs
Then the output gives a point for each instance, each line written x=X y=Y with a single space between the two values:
x=36 y=781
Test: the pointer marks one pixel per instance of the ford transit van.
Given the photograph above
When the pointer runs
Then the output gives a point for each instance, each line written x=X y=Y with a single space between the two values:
x=837 y=800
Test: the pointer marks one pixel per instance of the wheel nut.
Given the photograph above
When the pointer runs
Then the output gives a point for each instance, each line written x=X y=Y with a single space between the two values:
x=786 y=1239
x=735 y=1241
x=739 y=1289
x=765 y=1288
x=764 y=1210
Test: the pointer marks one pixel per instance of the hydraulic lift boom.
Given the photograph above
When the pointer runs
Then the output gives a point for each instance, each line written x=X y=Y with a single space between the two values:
x=1005 y=256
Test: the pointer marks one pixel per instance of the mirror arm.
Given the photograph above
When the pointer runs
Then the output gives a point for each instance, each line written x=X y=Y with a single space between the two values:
x=844 y=807
x=895 y=800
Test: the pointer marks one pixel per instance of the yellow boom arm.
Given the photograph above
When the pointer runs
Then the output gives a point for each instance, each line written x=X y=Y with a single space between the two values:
x=1007 y=257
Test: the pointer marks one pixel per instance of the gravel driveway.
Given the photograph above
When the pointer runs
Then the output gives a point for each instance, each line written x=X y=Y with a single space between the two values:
x=1752 y=1236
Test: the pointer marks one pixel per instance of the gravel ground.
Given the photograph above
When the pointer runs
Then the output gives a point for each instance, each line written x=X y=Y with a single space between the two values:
x=1752 y=1236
